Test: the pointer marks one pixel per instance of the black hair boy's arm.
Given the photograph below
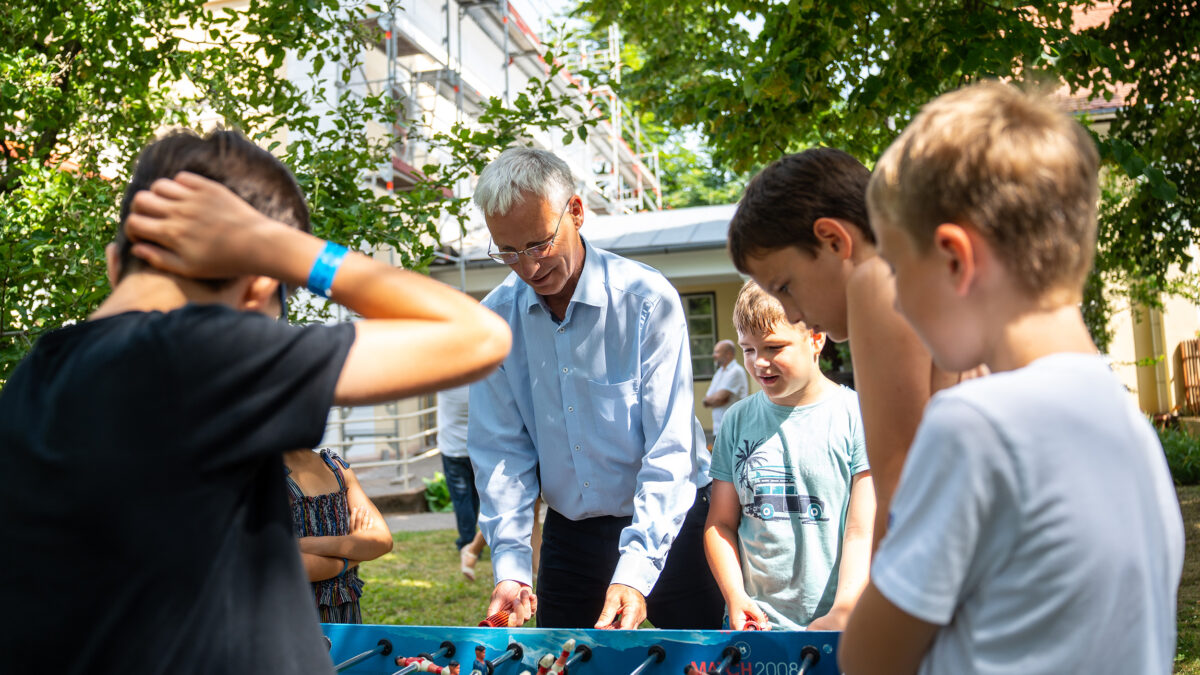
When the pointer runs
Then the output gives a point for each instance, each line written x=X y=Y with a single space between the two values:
x=892 y=372
x=882 y=639
x=417 y=335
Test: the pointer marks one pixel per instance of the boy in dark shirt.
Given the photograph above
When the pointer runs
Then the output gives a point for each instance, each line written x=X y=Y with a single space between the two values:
x=144 y=509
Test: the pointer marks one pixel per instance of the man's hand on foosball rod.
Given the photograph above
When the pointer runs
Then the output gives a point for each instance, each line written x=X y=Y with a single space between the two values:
x=624 y=608
x=515 y=597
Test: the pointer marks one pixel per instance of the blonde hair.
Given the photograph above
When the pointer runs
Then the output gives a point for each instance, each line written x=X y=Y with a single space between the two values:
x=756 y=312
x=1009 y=164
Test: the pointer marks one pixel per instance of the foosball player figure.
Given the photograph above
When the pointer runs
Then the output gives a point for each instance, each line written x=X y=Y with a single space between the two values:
x=480 y=659
x=453 y=668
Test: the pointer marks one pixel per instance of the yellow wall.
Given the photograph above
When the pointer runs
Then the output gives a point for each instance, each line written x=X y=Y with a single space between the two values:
x=1146 y=354
x=726 y=293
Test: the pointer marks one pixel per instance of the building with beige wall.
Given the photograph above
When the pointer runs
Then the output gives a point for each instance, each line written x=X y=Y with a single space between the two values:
x=688 y=247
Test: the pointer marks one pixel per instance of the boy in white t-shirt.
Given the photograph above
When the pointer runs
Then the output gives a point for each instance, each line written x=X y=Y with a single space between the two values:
x=1035 y=528
x=788 y=535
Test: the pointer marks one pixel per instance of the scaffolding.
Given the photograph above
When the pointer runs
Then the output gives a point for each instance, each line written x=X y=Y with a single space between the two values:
x=617 y=168
x=420 y=64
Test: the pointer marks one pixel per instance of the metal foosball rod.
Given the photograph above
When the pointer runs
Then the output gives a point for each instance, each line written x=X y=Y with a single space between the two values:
x=583 y=653
x=515 y=651
x=383 y=648
x=809 y=657
x=730 y=656
x=656 y=654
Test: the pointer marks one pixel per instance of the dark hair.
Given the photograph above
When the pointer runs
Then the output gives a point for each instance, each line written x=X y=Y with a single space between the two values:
x=224 y=156
x=783 y=201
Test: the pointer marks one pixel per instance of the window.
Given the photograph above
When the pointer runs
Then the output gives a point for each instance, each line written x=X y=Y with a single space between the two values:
x=701 y=311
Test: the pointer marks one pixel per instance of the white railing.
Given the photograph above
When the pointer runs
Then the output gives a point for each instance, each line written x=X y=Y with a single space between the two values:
x=372 y=437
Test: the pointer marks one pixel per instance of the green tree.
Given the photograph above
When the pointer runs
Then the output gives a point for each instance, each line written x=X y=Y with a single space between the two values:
x=83 y=86
x=690 y=177
x=760 y=78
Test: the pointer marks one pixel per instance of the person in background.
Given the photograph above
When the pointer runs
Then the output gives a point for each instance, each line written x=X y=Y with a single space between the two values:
x=460 y=477
x=338 y=528
x=729 y=383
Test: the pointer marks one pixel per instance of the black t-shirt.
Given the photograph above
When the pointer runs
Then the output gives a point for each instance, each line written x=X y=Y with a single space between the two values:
x=143 y=514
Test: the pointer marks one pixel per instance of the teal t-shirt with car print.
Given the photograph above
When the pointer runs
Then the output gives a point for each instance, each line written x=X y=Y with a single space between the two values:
x=792 y=468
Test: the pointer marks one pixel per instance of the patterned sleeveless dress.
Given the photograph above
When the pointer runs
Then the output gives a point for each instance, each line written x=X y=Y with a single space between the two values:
x=328 y=515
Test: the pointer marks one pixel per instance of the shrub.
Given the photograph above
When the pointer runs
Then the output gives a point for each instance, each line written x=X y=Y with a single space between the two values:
x=437 y=495
x=1183 y=455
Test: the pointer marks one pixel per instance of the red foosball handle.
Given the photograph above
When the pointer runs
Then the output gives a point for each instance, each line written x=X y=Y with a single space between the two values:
x=497 y=620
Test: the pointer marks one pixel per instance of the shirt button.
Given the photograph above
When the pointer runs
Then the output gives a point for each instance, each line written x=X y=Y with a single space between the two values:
x=564 y=370
x=561 y=329
x=586 y=484
x=570 y=409
x=577 y=447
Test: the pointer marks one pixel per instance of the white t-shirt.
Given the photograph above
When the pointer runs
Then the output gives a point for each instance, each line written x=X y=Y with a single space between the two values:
x=452 y=421
x=732 y=378
x=1036 y=522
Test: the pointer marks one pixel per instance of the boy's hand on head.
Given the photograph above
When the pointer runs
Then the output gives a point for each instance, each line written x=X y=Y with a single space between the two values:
x=194 y=227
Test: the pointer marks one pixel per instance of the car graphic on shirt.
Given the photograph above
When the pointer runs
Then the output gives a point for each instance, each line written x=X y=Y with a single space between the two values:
x=777 y=498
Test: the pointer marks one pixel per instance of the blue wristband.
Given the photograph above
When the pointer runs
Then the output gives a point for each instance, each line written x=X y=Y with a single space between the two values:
x=345 y=565
x=320 y=277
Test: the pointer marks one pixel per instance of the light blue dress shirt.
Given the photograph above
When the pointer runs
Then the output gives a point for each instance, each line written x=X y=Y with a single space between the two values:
x=603 y=403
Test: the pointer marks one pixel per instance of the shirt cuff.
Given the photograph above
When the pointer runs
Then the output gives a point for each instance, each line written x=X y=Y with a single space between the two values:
x=513 y=565
x=636 y=572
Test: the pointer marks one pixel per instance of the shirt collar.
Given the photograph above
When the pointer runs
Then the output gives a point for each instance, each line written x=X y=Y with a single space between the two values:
x=591 y=287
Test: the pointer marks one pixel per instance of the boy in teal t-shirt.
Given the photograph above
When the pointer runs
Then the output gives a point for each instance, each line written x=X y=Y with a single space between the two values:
x=789 y=526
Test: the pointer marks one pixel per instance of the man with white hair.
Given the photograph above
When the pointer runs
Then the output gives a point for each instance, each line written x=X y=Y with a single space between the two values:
x=593 y=407
x=729 y=384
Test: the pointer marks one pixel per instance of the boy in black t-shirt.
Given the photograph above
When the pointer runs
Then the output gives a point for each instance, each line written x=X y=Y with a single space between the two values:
x=144 y=516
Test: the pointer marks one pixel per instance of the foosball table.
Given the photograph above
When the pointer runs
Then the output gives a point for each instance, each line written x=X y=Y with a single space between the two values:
x=399 y=650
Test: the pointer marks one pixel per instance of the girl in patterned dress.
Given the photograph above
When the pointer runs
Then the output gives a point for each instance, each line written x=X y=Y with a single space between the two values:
x=338 y=527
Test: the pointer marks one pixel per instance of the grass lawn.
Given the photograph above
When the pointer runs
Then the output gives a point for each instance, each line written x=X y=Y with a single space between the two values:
x=1188 y=658
x=419 y=583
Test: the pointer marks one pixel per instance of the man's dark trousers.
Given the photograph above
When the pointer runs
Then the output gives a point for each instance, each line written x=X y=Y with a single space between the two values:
x=578 y=558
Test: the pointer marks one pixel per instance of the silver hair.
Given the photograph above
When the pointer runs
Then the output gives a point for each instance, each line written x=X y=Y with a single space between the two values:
x=519 y=170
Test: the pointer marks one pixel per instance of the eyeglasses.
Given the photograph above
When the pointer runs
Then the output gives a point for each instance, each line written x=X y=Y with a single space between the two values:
x=536 y=251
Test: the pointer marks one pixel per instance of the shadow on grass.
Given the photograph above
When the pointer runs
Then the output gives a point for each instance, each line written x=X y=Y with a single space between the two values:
x=419 y=583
